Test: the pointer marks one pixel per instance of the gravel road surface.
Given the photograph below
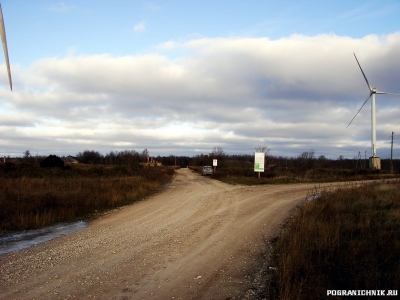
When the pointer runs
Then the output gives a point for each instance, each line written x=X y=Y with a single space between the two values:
x=196 y=239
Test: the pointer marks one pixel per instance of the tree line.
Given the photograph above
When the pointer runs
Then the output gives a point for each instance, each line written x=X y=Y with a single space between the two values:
x=305 y=161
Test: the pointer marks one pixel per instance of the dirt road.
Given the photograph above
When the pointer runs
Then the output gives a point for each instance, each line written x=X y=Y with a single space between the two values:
x=197 y=239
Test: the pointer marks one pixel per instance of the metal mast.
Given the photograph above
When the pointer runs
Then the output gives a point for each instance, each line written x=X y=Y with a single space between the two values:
x=373 y=123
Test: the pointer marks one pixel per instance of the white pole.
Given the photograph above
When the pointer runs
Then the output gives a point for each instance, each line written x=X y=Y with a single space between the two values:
x=373 y=124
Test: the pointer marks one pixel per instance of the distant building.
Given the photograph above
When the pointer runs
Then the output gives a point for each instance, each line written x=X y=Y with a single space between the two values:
x=71 y=159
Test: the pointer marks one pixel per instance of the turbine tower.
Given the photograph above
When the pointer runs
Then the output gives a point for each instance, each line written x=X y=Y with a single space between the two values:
x=4 y=42
x=374 y=161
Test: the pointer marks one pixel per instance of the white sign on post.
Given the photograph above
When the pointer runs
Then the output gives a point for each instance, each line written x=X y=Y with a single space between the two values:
x=259 y=160
x=215 y=164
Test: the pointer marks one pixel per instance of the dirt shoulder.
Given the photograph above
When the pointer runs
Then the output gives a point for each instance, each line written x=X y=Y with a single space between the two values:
x=197 y=239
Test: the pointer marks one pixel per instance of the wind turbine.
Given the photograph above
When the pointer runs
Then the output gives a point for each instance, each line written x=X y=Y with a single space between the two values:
x=374 y=160
x=4 y=41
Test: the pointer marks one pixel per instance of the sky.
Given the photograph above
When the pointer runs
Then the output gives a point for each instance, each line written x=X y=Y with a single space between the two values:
x=183 y=77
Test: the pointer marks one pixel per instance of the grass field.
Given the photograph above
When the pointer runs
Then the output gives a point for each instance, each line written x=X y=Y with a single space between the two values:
x=346 y=240
x=32 y=197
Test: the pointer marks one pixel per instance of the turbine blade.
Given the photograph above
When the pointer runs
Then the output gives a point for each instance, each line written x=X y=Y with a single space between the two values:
x=365 y=77
x=382 y=93
x=360 y=109
x=4 y=41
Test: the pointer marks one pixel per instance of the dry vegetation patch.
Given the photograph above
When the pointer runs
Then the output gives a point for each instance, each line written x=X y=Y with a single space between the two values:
x=346 y=240
x=31 y=197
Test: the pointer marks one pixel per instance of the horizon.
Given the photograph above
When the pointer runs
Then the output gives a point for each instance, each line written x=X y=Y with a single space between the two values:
x=363 y=156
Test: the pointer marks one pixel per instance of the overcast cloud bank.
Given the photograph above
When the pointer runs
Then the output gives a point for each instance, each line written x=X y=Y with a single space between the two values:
x=295 y=94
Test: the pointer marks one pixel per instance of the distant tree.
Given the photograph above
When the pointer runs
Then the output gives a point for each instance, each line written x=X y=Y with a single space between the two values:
x=308 y=154
x=128 y=157
x=27 y=154
x=262 y=148
x=171 y=160
x=322 y=161
x=111 y=158
x=145 y=155
x=52 y=161
x=217 y=152
x=201 y=160
x=90 y=157
x=307 y=159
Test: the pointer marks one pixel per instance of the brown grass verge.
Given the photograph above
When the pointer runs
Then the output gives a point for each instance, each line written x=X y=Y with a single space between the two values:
x=49 y=197
x=345 y=240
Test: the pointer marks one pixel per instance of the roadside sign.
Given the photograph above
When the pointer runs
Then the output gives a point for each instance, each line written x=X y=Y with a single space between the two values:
x=259 y=160
x=214 y=162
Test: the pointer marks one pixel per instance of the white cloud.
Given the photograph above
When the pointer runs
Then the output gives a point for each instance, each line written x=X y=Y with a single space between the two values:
x=151 y=6
x=295 y=94
x=61 y=7
x=140 y=27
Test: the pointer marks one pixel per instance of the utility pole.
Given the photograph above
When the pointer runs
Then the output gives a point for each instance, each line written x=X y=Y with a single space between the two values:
x=358 y=159
x=391 y=155
x=365 y=158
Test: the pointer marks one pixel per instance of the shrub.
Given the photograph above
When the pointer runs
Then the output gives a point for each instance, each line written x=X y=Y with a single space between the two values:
x=52 y=161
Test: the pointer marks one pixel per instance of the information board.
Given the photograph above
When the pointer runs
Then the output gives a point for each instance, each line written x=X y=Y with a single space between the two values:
x=259 y=160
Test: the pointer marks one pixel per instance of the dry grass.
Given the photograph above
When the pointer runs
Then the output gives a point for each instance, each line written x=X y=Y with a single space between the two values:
x=49 y=197
x=347 y=240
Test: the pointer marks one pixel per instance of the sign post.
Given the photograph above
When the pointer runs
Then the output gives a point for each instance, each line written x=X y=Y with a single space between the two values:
x=259 y=160
x=215 y=164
